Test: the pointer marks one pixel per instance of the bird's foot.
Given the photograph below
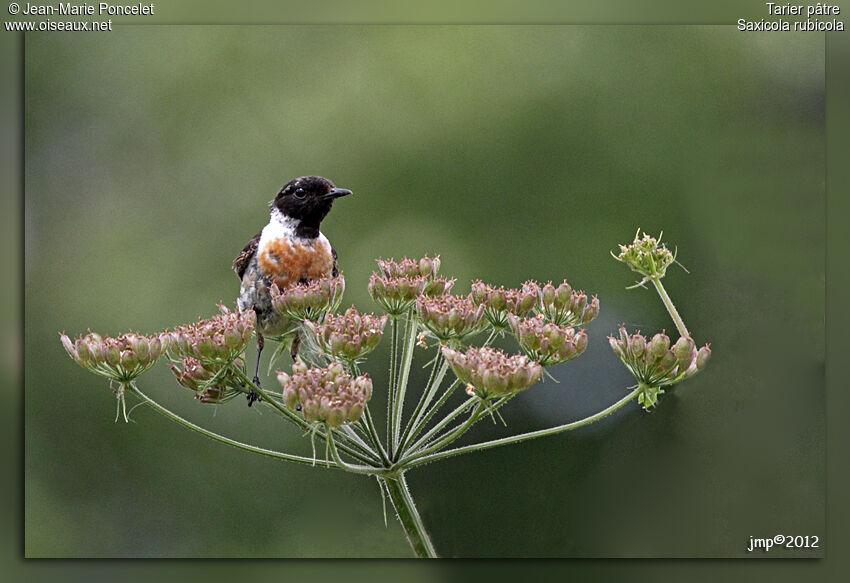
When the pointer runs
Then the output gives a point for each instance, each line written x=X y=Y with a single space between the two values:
x=252 y=394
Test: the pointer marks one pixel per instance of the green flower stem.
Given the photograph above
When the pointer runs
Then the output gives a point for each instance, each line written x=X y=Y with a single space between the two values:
x=409 y=517
x=451 y=436
x=431 y=387
x=404 y=375
x=212 y=435
x=432 y=411
x=671 y=308
x=456 y=432
x=524 y=436
x=373 y=434
x=349 y=430
x=368 y=470
x=393 y=367
x=369 y=425
x=442 y=423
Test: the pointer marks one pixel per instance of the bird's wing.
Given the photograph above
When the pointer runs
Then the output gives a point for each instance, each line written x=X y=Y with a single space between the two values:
x=240 y=264
x=335 y=270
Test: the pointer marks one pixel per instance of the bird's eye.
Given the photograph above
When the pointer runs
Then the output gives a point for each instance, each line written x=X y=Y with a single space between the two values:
x=300 y=193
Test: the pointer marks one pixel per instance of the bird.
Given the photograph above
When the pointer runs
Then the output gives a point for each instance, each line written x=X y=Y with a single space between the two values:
x=290 y=249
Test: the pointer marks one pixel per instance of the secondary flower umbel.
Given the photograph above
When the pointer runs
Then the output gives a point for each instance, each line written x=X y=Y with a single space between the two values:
x=547 y=342
x=397 y=284
x=499 y=301
x=310 y=300
x=449 y=317
x=217 y=340
x=647 y=256
x=326 y=394
x=349 y=336
x=566 y=306
x=211 y=383
x=426 y=267
x=491 y=372
x=655 y=364
x=120 y=359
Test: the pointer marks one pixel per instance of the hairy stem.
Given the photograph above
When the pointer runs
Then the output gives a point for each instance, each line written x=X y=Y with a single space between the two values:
x=442 y=423
x=401 y=386
x=391 y=388
x=438 y=371
x=431 y=412
x=368 y=470
x=523 y=436
x=220 y=438
x=409 y=517
x=454 y=434
x=671 y=308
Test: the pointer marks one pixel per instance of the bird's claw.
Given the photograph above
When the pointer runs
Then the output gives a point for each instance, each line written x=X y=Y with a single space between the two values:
x=252 y=394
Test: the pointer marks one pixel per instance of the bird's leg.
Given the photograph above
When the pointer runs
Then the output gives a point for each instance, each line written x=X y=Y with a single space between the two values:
x=252 y=394
x=293 y=348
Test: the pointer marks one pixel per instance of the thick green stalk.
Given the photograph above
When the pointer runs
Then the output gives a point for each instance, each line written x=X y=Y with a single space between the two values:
x=391 y=388
x=409 y=517
x=523 y=436
x=671 y=308
x=431 y=387
x=401 y=387
x=373 y=434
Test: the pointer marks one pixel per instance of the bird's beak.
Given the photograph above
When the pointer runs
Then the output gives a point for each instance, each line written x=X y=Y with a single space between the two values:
x=337 y=192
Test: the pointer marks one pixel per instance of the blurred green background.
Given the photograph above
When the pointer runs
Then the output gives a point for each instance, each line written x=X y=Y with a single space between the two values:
x=515 y=152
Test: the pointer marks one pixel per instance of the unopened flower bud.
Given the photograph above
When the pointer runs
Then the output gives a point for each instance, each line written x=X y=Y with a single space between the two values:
x=637 y=344
x=702 y=357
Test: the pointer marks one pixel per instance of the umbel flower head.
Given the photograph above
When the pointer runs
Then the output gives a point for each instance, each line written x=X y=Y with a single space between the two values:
x=216 y=340
x=120 y=359
x=566 y=306
x=449 y=317
x=499 y=302
x=397 y=284
x=491 y=372
x=211 y=382
x=310 y=300
x=647 y=256
x=655 y=364
x=425 y=267
x=396 y=294
x=327 y=394
x=546 y=342
x=348 y=336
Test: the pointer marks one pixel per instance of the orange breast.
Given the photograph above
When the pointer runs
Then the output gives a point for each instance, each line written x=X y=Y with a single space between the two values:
x=287 y=262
